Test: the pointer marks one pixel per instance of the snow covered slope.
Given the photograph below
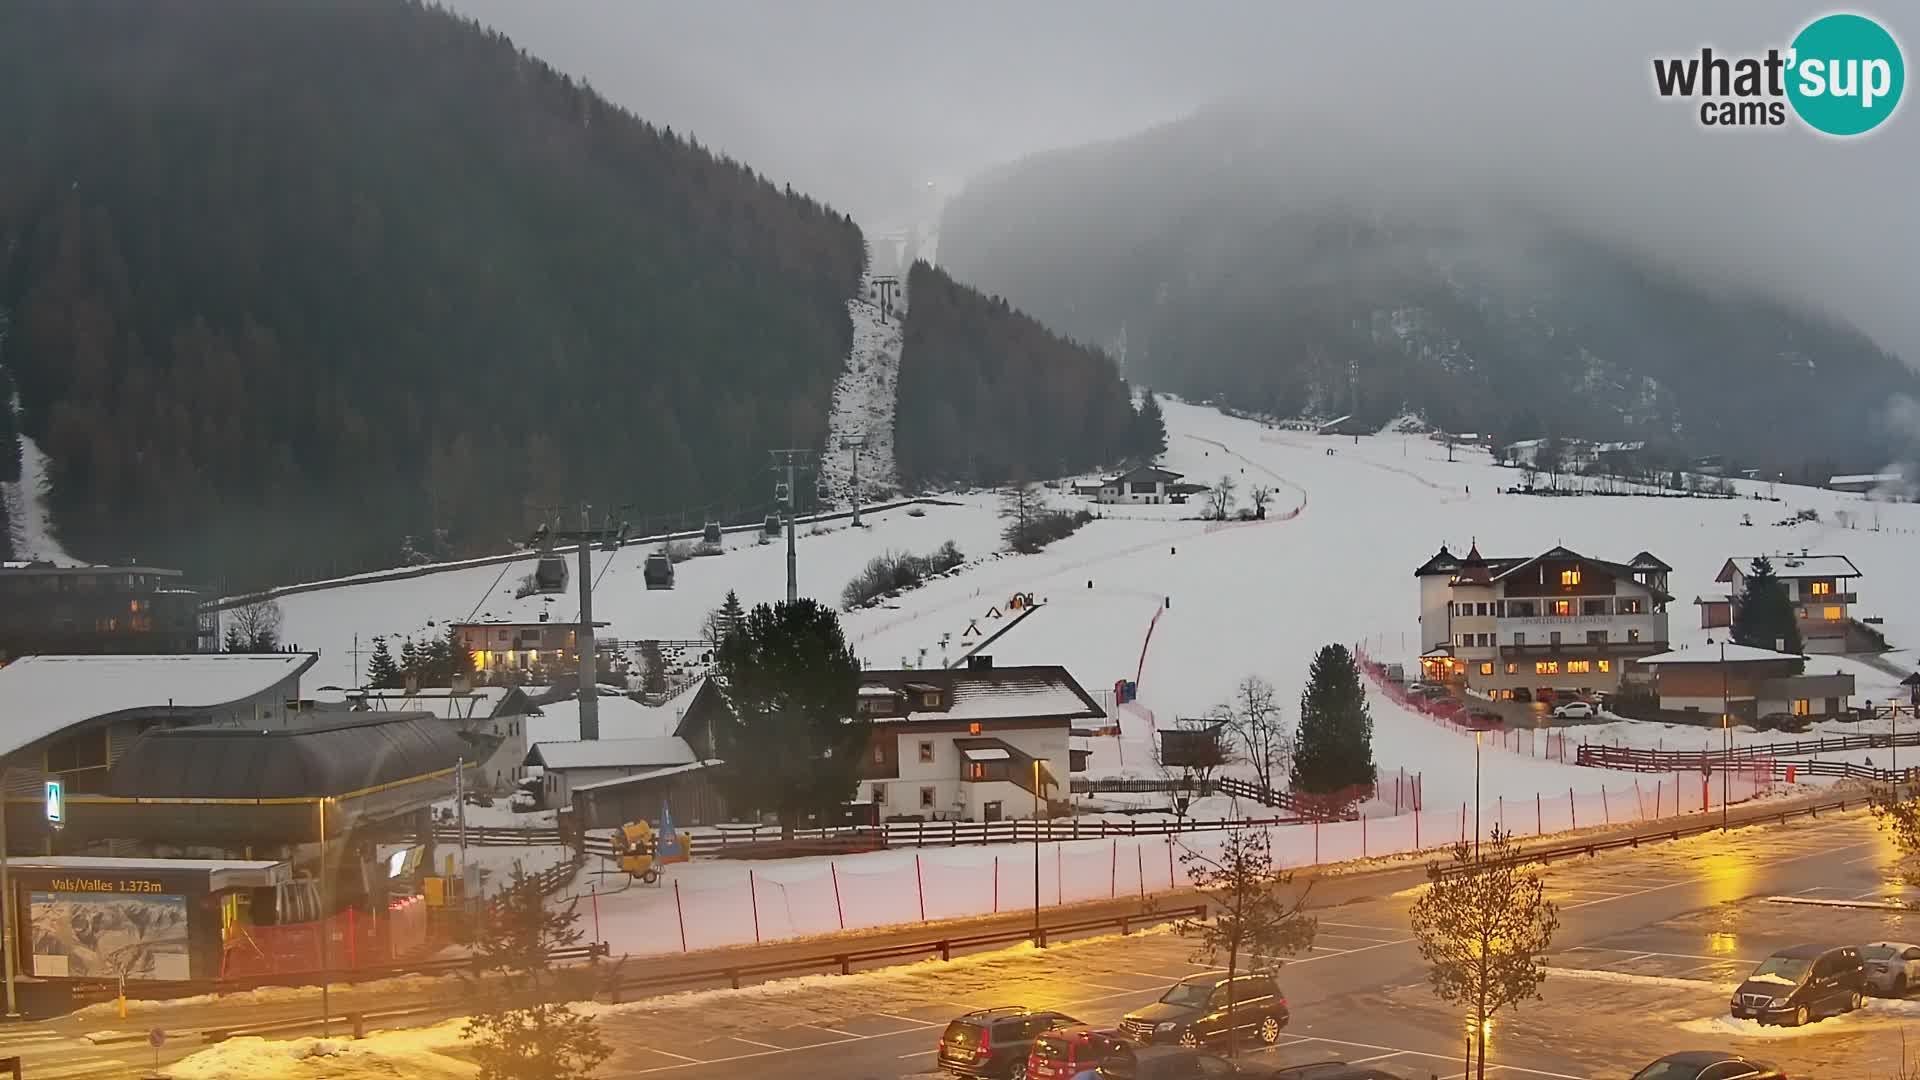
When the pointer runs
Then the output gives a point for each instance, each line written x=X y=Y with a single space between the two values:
x=863 y=401
x=1334 y=562
x=26 y=503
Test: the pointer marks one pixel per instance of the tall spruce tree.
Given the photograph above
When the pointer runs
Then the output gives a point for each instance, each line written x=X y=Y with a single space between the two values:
x=382 y=672
x=789 y=735
x=411 y=662
x=1334 y=747
x=9 y=425
x=1149 y=428
x=1765 y=618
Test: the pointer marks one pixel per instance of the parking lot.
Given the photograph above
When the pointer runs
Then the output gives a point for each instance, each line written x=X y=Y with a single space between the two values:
x=1652 y=942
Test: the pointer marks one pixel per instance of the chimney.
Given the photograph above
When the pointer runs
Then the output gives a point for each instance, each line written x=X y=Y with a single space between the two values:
x=980 y=662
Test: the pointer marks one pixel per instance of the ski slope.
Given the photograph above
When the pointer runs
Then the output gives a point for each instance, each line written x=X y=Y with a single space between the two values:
x=1333 y=563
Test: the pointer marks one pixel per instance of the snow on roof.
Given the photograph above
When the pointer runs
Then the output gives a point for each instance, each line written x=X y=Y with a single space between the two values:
x=221 y=873
x=611 y=753
x=1797 y=566
x=1866 y=478
x=876 y=690
x=991 y=753
x=1006 y=699
x=650 y=774
x=1711 y=654
x=40 y=695
x=620 y=717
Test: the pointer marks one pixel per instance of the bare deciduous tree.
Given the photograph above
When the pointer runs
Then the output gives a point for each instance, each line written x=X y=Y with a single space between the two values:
x=1253 y=719
x=1484 y=926
x=1261 y=495
x=1220 y=498
x=1254 y=922
x=1192 y=750
x=254 y=626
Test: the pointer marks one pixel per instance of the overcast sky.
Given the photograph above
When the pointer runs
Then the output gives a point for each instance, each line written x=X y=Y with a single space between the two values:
x=862 y=101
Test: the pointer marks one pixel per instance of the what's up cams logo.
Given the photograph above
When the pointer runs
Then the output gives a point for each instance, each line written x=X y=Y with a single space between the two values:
x=1842 y=75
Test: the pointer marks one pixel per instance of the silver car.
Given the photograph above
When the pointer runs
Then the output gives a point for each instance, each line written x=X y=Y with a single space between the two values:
x=1893 y=967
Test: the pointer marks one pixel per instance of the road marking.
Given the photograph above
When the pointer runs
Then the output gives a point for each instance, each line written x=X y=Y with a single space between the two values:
x=917 y=1053
x=1358 y=926
x=682 y=1057
x=1349 y=952
x=1376 y=1057
x=1109 y=986
x=908 y=1019
x=835 y=1031
x=754 y=1042
x=1700 y=880
x=1671 y=955
x=1350 y=937
x=1439 y=1057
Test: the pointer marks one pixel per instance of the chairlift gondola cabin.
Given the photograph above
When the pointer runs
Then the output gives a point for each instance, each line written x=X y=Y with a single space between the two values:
x=772 y=526
x=550 y=574
x=711 y=533
x=825 y=491
x=658 y=571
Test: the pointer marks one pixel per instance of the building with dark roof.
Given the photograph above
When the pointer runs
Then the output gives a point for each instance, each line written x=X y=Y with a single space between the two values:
x=1541 y=627
x=1822 y=589
x=572 y=764
x=46 y=608
x=1140 y=484
x=973 y=743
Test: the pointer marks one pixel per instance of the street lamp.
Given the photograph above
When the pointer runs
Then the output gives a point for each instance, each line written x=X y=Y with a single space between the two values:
x=1036 y=851
x=1726 y=737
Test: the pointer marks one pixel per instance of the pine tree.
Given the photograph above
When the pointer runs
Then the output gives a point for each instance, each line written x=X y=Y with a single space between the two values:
x=382 y=672
x=9 y=424
x=789 y=735
x=410 y=661
x=723 y=619
x=524 y=1026
x=1149 y=428
x=1334 y=747
x=1764 y=616
x=234 y=642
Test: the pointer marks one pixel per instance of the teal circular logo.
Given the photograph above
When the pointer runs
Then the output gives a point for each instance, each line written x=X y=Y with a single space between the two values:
x=1846 y=74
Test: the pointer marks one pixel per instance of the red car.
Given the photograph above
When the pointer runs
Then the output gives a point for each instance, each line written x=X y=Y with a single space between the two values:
x=1065 y=1052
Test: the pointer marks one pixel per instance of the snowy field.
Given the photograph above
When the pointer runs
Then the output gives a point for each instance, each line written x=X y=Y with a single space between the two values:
x=1334 y=562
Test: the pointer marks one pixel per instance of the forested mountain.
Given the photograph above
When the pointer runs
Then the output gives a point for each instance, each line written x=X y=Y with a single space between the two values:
x=1229 y=262
x=988 y=395
x=289 y=281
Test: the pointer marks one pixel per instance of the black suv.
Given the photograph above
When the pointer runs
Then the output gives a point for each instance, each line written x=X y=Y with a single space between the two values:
x=1800 y=984
x=1171 y=1063
x=995 y=1042
x=1193 y=1012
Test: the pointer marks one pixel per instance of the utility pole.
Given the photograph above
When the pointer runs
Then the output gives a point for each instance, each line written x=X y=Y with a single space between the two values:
x=589 y=677
x=791 y=462
x=1726 y=737
x=854 y=442
x=9 y=941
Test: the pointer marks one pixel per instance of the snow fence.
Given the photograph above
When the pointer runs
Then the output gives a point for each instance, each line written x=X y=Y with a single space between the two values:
x=712 y=904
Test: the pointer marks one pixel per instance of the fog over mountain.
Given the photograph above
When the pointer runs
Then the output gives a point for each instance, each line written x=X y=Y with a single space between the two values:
x=860 y=102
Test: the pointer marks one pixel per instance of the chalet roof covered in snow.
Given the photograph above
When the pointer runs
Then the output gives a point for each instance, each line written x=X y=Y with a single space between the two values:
x=1144 y=474
x=1793 y=566
x=612 y=753
x=1711 y=654
x=650 y=774
x=1038 y=692
x=40 y=695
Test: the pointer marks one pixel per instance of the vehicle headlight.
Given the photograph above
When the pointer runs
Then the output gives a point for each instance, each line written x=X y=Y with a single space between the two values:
x=1167 y=1028
x=1777 y=1002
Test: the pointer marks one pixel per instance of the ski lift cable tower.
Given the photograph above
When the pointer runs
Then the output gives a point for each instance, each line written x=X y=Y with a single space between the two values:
x=854 y=441
x=790 y=462
x=588 y=689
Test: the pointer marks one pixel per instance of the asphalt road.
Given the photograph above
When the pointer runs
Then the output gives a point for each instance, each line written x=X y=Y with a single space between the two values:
x=1653 y=923
x=1613 y=1003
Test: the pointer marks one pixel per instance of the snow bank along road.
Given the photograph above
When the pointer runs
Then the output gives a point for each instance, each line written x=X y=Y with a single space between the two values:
x=1662 y=911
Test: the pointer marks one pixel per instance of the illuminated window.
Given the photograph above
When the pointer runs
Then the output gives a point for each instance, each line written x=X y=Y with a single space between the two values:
x=1579 y=667
x=1513 y=669
x=1605 y=665
x=1486 y=669
x=1546 y=667
x=931 y=701
x=1823 y=588
x=973 y=728
x=1629 y=605
x=978 y=771
x=1570 y=577
x=1563 y=607
x=1831 y=614
x=1802 y=707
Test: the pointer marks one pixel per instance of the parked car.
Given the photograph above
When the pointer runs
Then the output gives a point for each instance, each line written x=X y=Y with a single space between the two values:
x=1066 y=1052
x=1331 y=1070
x=1483 y=719
x=1193 y=1012
x=1708 y=1065
x=1171 y=1063
x=1800 y=984
x=1892 y=967
x=995 y=1042
x=1573 y=710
